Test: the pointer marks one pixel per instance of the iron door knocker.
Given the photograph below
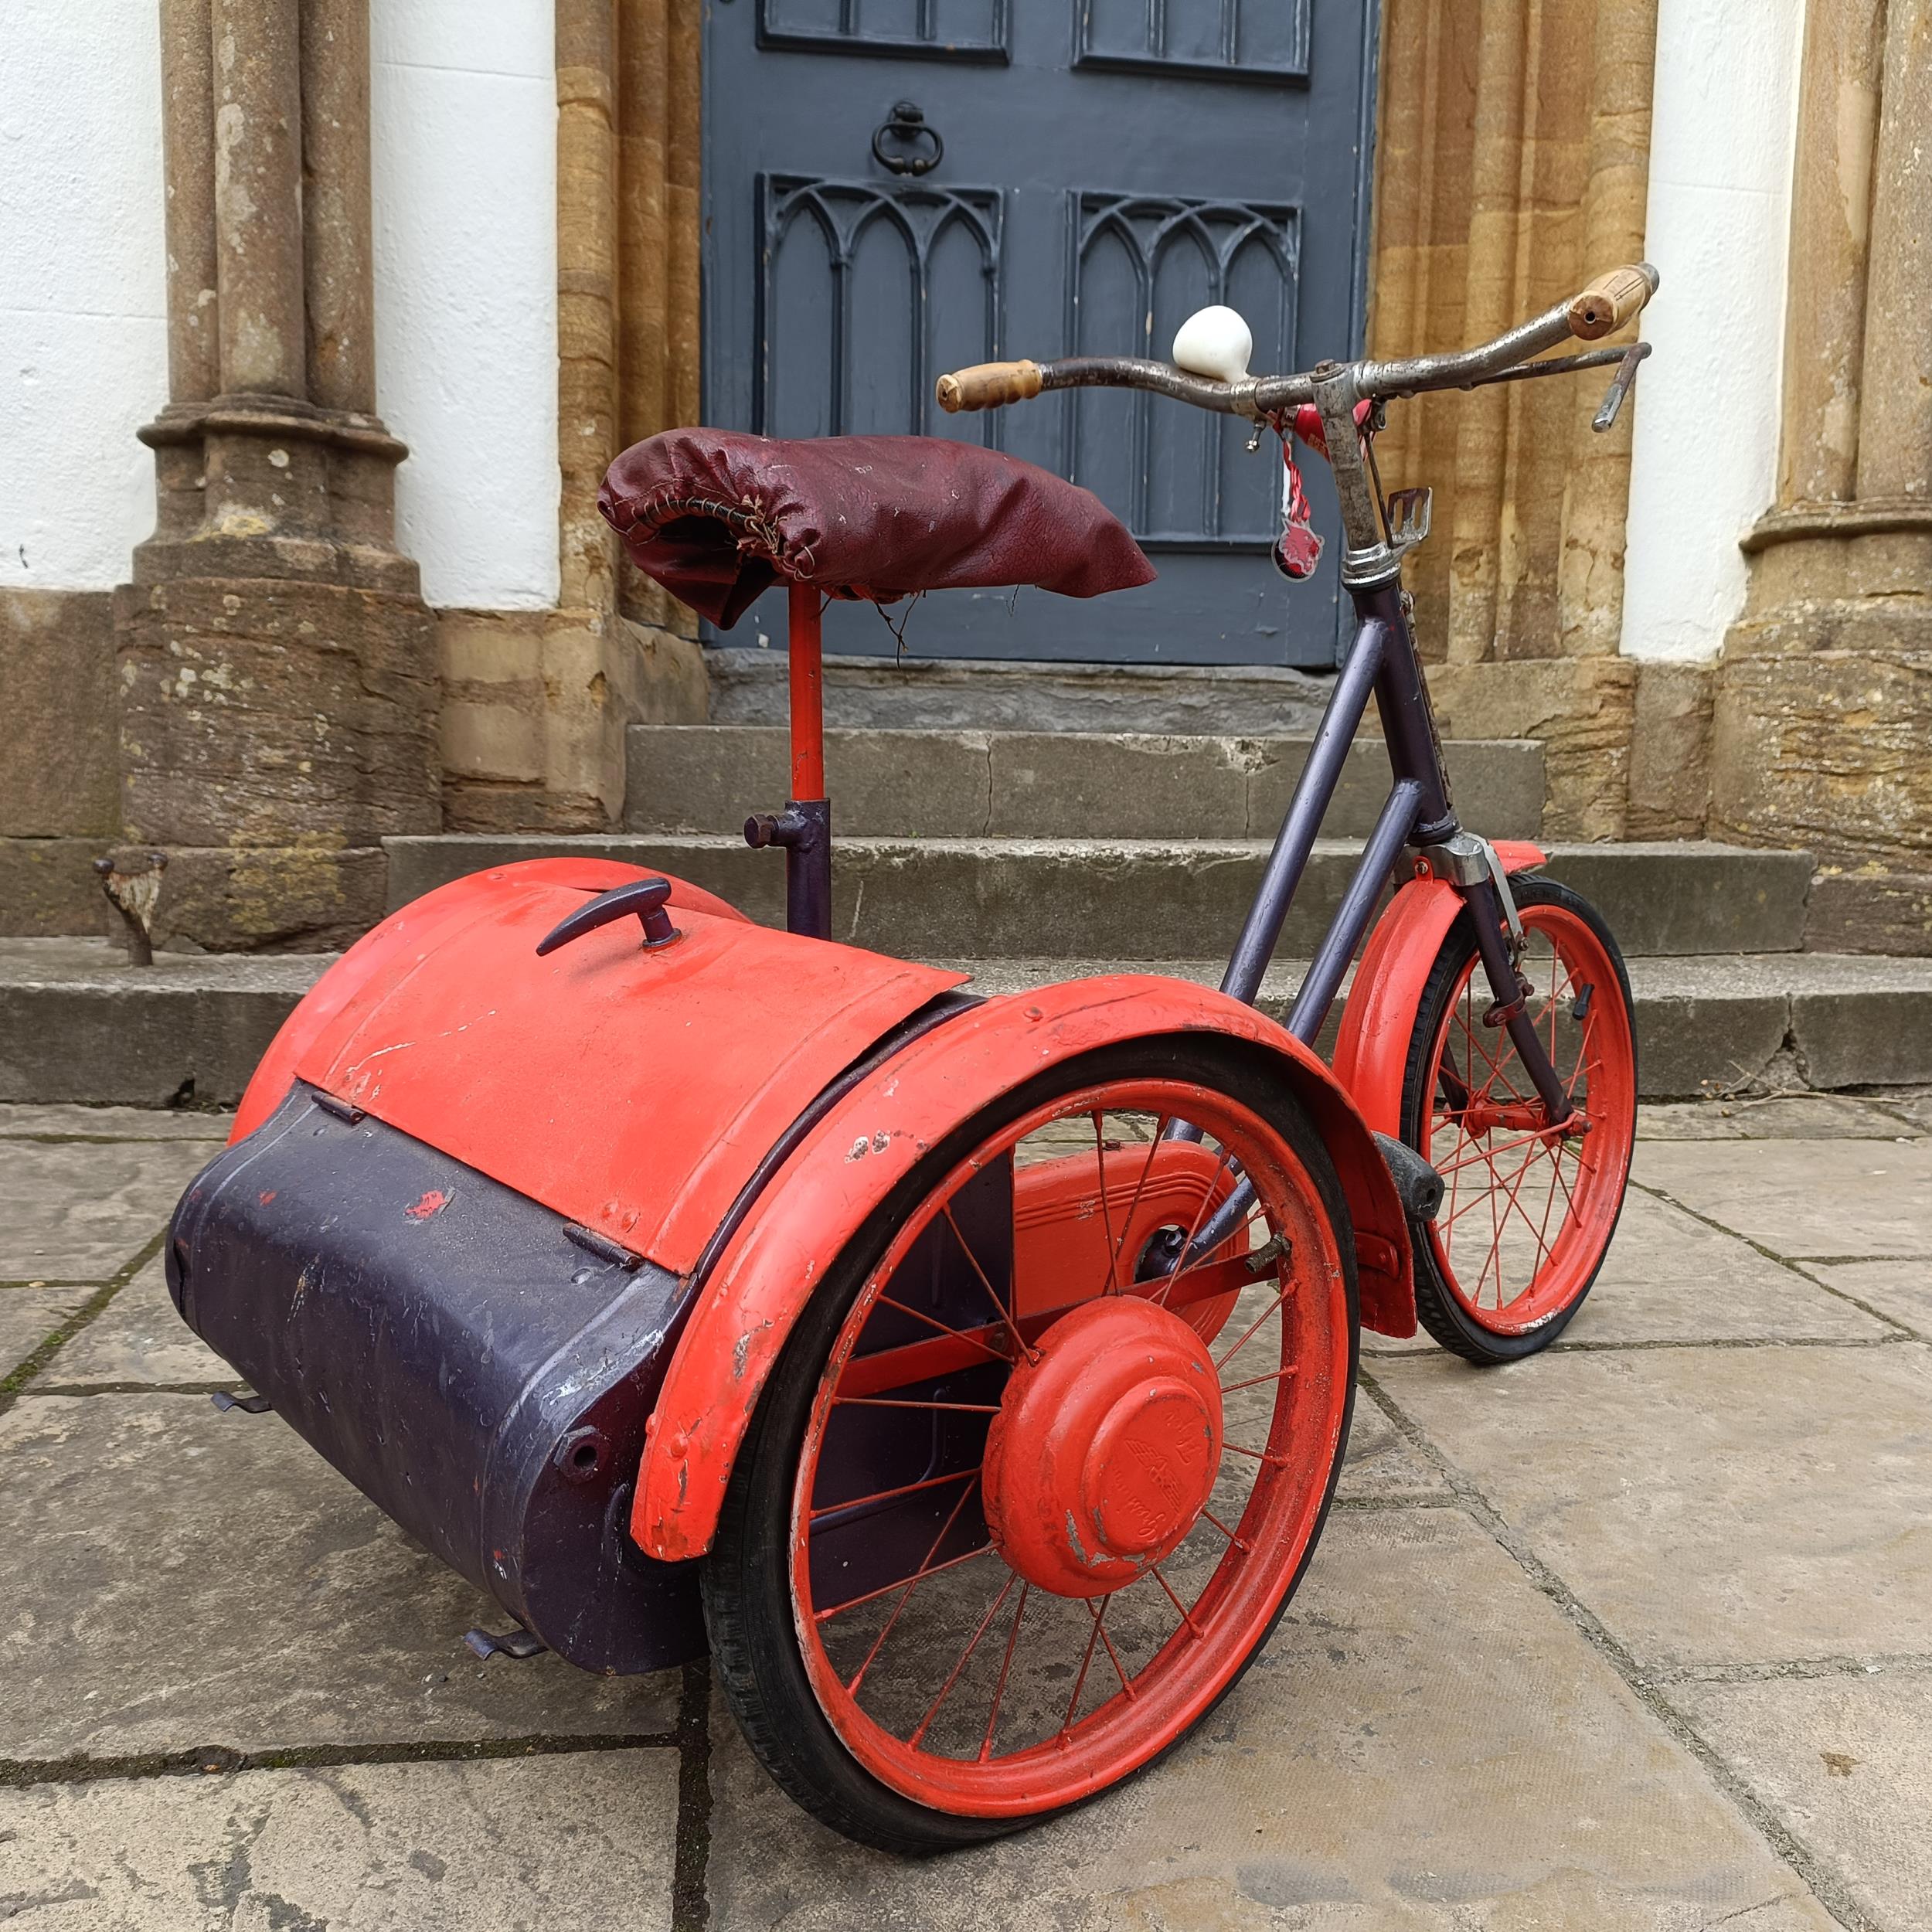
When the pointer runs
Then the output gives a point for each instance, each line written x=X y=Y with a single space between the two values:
x=906 y=124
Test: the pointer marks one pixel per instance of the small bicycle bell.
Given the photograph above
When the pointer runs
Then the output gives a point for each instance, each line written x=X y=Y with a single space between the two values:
x=1214 y=342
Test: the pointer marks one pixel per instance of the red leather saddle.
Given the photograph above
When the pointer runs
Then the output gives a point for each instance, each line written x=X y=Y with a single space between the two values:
x=717 y=518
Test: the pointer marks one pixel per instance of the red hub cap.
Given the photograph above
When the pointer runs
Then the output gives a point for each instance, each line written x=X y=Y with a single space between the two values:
x=1105 y=1448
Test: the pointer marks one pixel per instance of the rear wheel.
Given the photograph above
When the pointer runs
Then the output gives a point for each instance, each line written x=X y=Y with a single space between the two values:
x=1016 y=1509
x=1527 y=1211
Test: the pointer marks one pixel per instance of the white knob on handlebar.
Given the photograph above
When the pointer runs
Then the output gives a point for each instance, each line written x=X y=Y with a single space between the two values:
x=1215 y=342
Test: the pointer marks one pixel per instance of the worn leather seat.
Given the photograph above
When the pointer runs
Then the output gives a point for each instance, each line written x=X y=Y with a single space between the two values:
x=718 y=517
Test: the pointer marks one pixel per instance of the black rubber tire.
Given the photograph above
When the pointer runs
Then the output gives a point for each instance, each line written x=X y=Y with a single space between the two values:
x=1438 y=1308
x=746 y=1587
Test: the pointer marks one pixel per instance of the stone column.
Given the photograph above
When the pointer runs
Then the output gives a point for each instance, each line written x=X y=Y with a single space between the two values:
x=1511 y=164
x=277 y=666
x=1824 y=701
x=538 y=704
x=338 y=289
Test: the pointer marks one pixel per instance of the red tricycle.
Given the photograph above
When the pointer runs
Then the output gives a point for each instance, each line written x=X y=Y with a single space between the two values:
x=969 y=1376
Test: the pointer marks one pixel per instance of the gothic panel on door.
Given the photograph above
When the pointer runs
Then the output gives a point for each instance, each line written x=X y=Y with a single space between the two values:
x=894 y=188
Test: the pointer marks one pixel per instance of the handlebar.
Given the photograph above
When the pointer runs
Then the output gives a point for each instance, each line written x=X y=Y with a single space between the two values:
x=1608 y=302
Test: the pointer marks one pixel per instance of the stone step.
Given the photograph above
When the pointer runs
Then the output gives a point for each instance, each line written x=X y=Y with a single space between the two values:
x=78 y=1024
x=748 y=687
x=1142 y=898
x=1035 y=784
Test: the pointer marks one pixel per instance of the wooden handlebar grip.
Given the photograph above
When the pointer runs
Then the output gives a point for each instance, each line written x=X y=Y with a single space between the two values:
x=1612 y=300
x=988 y=386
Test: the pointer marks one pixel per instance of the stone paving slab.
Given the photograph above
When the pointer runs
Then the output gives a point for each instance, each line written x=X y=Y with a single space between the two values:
x=1844 y=1760
x=1710 y=1506
x=1837 y=1198
x=1431 y=1741
x=572 y=1843
x=1427 y=1743
x=175 y=1577
x=1899 y=1290
x=1670 y=1277
x=28 y=1316
x=138 y=1337
x=70 y=1212
x=113 y=1123
x=1381 y=1467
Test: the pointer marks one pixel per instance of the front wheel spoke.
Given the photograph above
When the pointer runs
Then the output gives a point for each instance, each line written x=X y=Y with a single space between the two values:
x=1463 y=1012
x=1514 y=1206
x=1582 y=1069
x=1549 y=1207
x=1477 y=1200
x=1569 y=1198
x=1006 y=1669
x=965 y=1658
x=1490 y=1154
x=1496 y=1243
x=1273 y=1457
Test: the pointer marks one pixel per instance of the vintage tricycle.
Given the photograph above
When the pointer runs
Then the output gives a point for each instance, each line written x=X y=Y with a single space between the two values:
x=969 y=1375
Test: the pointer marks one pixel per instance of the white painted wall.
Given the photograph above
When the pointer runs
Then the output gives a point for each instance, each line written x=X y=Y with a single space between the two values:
x=463 y=120
x=83 y=333
x=1704 y=468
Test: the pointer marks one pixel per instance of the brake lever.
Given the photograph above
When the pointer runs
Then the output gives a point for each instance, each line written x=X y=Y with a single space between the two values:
x=1620 y=387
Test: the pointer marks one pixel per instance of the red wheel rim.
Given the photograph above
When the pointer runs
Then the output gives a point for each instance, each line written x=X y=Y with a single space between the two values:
x=957 y=1682
x=1527 y=1213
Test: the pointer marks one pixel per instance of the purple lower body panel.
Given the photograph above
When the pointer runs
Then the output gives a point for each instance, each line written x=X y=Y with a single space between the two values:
x=447 y=1344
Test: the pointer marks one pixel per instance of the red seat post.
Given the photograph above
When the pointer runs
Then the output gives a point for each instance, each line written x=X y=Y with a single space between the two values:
x=809 y=854
x=804 y=639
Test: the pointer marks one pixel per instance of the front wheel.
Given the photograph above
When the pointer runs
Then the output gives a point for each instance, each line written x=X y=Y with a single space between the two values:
x=1018 y=1507
x=1527 y=1211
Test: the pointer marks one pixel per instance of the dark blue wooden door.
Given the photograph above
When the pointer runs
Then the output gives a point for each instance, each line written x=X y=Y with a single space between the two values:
x=1108 y=166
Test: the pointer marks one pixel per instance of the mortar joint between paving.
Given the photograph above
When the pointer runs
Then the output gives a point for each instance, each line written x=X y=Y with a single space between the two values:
x=214 y=1760
x=42 y=1390
x=13 y=1385
x=1796 y=1669
x=690 y=1895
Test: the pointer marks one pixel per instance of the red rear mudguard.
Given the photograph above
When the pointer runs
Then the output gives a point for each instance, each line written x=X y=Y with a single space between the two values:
x=873 y=1137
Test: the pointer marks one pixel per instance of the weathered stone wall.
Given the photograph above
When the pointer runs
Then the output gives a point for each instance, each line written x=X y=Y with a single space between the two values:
x=60 y=794
x=1822 y=730
x=1511 y=165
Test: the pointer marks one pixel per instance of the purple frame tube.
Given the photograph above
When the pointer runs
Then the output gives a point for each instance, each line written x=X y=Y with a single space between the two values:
x=1261 y=930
